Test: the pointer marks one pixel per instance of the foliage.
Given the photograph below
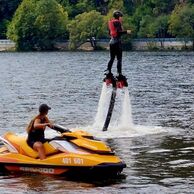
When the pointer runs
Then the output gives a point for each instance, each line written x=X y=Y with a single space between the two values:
x=37 y=23
x=84 y=26
x=159 y=27
x=76 y=7
x=7 y=9
x=144 y=29
x=129 y=6
x=3 y=28
x=116 y=4
x=181 y=23
x=138 y=17
x=161 y=7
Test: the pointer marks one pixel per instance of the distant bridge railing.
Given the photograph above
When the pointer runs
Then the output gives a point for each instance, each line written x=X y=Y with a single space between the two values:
x=162 y=39
x=6 y=41
x=6 y=44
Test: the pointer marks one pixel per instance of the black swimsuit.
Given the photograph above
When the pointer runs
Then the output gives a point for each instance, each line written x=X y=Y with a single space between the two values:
x=35 y=135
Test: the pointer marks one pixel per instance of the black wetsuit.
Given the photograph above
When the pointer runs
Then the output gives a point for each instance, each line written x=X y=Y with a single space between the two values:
x=35 y=135
x=116 y=48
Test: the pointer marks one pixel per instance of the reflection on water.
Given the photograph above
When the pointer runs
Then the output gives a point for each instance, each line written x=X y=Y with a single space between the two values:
x=159 y=159
x=43 y=184
x=33 y=183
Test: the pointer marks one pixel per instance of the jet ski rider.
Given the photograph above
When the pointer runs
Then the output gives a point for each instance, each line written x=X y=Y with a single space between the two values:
x=115 y=32
x=36 y=128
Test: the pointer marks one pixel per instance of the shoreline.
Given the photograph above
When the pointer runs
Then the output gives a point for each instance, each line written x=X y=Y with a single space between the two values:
x=148 y=44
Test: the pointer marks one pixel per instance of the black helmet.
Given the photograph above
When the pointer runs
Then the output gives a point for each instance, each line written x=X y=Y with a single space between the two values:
x=44 y=108
x=117 y=14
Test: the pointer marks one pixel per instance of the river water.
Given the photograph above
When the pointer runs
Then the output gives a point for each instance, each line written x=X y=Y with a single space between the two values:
x=158 y=150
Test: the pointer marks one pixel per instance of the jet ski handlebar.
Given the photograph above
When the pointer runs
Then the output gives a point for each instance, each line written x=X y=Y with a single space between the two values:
x=60 y=128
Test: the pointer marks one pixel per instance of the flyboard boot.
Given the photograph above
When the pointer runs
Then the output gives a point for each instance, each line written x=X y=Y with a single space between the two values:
x=121 y=81
x=110 y=79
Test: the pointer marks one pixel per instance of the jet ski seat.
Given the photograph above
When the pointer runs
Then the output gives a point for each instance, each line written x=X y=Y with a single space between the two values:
x=22 y=147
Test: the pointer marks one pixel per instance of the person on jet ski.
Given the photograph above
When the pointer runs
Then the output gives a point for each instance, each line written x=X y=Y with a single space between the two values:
x=115 y=32
x=36 y=129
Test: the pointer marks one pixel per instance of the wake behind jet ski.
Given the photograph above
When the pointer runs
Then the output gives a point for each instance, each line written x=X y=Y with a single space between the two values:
x=77 y=153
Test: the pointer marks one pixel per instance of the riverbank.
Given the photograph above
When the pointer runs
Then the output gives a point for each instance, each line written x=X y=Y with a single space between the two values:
x=154 y=44
x=147 y=44
x=162 y=44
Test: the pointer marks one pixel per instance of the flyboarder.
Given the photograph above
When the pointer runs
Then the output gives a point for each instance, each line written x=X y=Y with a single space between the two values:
x=115 y=32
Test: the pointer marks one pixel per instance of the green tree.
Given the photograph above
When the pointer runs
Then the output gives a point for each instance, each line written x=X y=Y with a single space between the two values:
x=129 y=6
x=181 y=23
x=144 y=29
x=37 y=23
x=159 y=27
x=7 y=9
x=116 y=5
x=162 y=6
x=151 y=26
x=3 y=28
x=85 y=26
x=50 y=23
x=138 y=17
x=76 y=7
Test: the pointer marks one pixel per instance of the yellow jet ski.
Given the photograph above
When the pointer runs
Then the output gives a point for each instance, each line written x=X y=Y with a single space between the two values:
x=69 y=153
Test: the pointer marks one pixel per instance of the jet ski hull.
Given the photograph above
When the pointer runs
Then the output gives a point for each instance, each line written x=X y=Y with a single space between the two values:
x=105 y=170
x=72 y=154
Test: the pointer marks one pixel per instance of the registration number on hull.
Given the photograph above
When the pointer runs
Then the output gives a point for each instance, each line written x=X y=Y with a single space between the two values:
x=77 y=161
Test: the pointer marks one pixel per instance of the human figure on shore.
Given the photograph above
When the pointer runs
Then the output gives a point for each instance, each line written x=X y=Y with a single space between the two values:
x=93 y=42
x=115 y=32
x=36 y=129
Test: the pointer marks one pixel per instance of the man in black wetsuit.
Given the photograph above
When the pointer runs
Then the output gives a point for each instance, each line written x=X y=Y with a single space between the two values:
x=116 y=31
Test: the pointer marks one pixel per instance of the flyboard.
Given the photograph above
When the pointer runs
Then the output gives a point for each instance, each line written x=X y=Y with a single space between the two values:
x=116 y=82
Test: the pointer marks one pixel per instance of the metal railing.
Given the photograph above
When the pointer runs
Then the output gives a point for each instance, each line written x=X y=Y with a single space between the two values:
x=162 y=39
x=6 y=42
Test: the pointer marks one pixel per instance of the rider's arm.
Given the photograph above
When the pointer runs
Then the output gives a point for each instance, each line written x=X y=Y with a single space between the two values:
x=50 y=124
x=39 y=125
x=120 y=30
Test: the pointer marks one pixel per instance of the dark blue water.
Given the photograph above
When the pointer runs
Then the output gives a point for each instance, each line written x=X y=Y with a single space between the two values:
x=162 y=94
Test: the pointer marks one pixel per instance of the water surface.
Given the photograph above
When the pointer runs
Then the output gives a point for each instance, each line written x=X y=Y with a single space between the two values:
x=158 y=154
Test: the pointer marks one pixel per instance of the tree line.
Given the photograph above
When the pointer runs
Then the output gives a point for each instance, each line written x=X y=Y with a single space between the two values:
x=38 y=24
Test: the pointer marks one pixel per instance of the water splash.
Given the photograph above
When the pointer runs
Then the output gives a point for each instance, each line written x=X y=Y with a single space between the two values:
x=121 y=124
x=121 y=117
x=126 y=115
x=102 y=106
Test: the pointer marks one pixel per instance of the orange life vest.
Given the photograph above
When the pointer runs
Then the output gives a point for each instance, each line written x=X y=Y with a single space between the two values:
x=112 y=28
